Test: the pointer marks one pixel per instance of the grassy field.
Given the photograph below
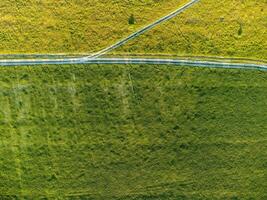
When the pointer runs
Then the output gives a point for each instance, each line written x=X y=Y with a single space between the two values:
x=132 y=132
x=229 y=28
x=61 y=26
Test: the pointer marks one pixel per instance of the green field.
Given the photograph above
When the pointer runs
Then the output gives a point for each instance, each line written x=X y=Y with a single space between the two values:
x=62 y=26
x=229 y=28
x=132 y=132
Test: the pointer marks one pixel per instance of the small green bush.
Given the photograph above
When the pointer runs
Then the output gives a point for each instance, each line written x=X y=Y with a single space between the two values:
x=131 y=19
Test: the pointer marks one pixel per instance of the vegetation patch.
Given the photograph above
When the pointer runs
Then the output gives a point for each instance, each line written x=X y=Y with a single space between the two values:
x=85 y=26
x=229 y=28
x=132 y=132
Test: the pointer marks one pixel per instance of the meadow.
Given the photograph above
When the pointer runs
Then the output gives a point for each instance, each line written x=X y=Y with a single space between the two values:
x=83 y=26
x=132 y=132
x=228 y=28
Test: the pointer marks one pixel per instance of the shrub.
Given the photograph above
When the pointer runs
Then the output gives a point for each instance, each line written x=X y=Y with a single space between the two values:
x=131 y=19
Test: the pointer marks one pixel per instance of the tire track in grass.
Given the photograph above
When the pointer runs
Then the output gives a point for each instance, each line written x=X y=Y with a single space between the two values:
x=53 y=173
x=127 y=94
x=123 y=91
x=73 y=92
x=15 y=135
x=9 y=143
x=22 y=110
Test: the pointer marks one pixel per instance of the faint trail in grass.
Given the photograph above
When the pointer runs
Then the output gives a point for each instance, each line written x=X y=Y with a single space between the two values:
x=16 y=153
x=5 y=110
x=131 y=83
x=123 y=91
x=72 y=91
x=54 y=94
x=15 y=135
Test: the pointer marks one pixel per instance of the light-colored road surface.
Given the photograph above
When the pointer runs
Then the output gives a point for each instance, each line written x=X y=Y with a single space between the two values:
x=153 y=61
x=145 y=29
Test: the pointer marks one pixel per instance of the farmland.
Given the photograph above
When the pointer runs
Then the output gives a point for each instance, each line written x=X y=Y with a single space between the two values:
x=132 y=132
x=228 y=28
x=83 y=26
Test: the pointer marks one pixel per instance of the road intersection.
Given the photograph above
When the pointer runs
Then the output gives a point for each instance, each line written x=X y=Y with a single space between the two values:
x=97 y=59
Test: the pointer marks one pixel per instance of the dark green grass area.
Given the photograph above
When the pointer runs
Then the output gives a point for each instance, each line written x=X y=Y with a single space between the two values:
x=132 y=132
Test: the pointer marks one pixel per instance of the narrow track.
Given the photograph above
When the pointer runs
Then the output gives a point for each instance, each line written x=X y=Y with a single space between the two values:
x=145 y=29
x=151 y=61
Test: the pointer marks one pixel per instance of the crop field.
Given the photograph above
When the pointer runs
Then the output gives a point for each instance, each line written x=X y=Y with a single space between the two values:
x=61 y=26
x=132 y=132
x=229 y=28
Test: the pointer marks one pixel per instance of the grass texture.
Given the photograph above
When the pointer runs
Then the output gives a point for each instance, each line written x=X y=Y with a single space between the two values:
x=132 y=132
x=83 y=26
x=228 y=28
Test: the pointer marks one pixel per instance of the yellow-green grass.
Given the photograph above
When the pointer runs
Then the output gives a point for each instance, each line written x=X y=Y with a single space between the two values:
x=210 y=28
x=132 y=132
x=61 y=26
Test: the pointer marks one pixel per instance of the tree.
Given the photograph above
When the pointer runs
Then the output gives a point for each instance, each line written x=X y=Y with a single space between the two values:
x=131 y=19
